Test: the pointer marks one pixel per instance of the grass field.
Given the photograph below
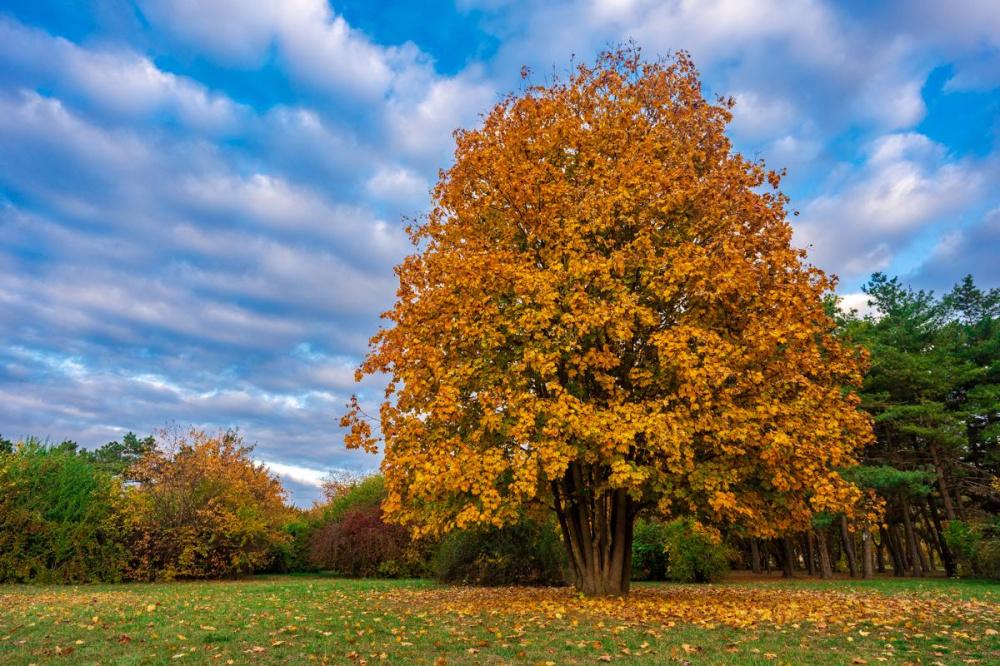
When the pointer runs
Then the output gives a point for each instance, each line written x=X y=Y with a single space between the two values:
x=293 y=619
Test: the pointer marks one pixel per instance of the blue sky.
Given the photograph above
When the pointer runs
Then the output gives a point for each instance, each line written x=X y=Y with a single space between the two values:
x=201 y=201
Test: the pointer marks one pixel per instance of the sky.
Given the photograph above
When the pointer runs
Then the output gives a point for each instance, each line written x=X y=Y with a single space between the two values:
x=201 y=201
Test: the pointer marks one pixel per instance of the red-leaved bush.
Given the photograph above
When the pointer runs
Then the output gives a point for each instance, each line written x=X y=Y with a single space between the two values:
x=360 y=544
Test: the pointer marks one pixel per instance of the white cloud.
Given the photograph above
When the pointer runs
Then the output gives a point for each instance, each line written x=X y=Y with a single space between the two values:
x=306 y=475
x=857 y=301
x=30 y=117
x=324 y=52
x=302 y=142
x=399 y=185
x=906 y=183
x=755 y=116
x=319 y=48
x=802 y=62
x=236 y=31
x=792 y=151
x=122 y=83
x=969 y=249
x=422 y=126
x=132 y=85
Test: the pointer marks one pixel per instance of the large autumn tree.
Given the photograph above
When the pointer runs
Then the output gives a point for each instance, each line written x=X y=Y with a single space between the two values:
x=605 y=316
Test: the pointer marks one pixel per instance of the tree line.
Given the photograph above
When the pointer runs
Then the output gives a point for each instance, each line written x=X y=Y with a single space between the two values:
x=195 y=505
x=932 y=476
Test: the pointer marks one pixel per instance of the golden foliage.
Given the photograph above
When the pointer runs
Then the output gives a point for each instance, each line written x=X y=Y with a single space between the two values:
x=603 y=280
x=202 y=508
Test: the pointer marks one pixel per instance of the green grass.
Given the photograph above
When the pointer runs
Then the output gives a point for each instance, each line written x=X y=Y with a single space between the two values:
x=315 y=619
x=967 y=588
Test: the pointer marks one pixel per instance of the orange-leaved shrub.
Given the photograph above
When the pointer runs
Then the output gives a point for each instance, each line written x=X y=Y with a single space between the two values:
x=202 y=508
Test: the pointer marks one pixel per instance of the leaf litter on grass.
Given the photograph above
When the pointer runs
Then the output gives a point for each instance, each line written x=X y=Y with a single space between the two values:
x=274 y=621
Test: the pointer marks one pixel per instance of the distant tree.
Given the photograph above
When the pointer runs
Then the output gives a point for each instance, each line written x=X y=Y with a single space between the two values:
x=118 y=457
x=605 y=316
x=67 y=445
x=971 y=305
x=202 y=508
x=933 y=389
x=523 y=553
x=348 y=492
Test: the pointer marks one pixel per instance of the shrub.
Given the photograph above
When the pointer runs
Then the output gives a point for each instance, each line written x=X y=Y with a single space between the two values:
x=58 y=517
x=528 y=553
x=360 y=543
x=352 y=539
x=649 y=551
x=988 y=558
x=343 y=495
x=976 y=546
x=292 y=553
x=202 y=508
x=695 y=554
x=962 y=540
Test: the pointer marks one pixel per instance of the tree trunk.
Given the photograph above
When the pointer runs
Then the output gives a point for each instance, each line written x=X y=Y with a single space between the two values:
x=960 y=502
x=866 y=552
x=754 y=555
x=911 y=539
x=845 y=535
x=949 y=509
x=880 y=554
x=899 y=534
x=597 y=527
x=925 y=552
x=946 y=557
x=825 y=570
x=787 y=558
x=930 y=535
x=807 y=553
x=898 y=566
